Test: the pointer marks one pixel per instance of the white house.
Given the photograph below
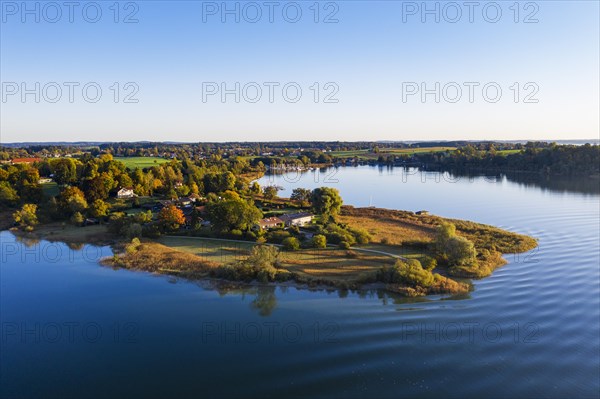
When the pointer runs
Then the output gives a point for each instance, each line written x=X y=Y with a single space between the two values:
x=297 y=219
x=125 y=193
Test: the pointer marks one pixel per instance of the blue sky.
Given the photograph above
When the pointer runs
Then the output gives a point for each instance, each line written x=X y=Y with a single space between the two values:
x=364 y=66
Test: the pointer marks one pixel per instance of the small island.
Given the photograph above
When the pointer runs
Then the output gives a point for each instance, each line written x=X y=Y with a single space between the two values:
x=208 y=217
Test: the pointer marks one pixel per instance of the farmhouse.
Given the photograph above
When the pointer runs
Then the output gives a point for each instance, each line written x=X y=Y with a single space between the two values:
x=297 y=219
x=268 y=223
x=125 y=193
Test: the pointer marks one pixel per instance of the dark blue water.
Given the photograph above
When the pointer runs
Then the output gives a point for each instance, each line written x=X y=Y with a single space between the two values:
x=72 y=328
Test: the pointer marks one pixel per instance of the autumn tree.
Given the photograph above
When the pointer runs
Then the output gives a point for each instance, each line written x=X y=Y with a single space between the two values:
x=73 y=200
x=99 y=208
x=171 y=218
x=26 y=217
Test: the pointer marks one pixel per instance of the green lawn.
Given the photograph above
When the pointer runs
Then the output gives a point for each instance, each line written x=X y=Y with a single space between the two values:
x=141 y=162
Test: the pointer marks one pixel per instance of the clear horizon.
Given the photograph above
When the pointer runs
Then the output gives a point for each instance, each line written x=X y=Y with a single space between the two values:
x=342 y=71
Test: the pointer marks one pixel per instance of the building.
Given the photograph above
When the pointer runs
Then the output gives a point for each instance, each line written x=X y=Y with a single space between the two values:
x=125 y=193
x=268 y=223
x=297 y=219
x=25 y=160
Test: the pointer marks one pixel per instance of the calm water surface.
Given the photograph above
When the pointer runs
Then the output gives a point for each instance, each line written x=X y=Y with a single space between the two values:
x=72 y=328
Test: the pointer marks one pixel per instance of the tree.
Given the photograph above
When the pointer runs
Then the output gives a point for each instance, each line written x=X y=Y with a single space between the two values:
x=301 y=195
x=77 y=219
x=411 y=272
x=452 y=249
x=99 y=208
x=428 y=263
x=233 y=213
x=171 y=217
x=8 y=195
x=263 y=256
x=26 y=217
x=64 y=170
x=319 y=241
x=270 y=192
x=96 y=188
x=291 y=244
x=326 y=201
x=255 y=188
x=73 y=199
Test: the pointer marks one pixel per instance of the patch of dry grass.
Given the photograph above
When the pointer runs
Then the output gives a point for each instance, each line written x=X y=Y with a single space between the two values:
x=158 y=258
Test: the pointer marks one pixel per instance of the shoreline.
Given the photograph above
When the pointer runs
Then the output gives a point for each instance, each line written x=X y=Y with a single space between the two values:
x=154 y=257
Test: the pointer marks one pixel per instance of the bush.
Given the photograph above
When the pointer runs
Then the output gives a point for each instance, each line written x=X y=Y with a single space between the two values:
x=277 y=236
x=291 y=244
x=428 y=263
x=77 y=219
x=236 y=234
x=344 y=245
x=134 y=230
x=408 y=272
x=362 y=236
x=319 y=241
x=412 y=273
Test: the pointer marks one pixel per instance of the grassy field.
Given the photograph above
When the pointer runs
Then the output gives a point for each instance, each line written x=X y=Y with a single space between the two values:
x=389 y=228
x=366 y=154
x=219 y=251
x=141 y=162
x=324 y=264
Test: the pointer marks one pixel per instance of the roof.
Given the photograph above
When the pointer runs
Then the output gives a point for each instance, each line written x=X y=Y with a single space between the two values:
x=26 y=160
x=269 y=221
x=294 y=216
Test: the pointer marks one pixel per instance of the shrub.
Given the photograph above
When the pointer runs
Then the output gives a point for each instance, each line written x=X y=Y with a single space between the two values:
x=428 y=262
x=412 y=273
x=362 y=236
x=236 y=234
x=408 y=272
x=77 y=219
x=291 y=244
x=277 y=236
x=344 y=245
x=134 y=230
x=319 y=241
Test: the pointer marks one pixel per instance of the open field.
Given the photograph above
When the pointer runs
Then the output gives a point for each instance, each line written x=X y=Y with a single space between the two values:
x=366 y=154
x=141 y=162
x=324 y=264
x=219 y=251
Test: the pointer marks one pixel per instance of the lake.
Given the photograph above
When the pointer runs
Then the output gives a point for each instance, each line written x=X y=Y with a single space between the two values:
x=73 y=328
